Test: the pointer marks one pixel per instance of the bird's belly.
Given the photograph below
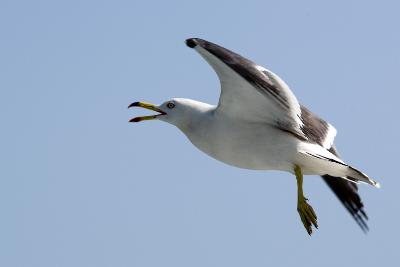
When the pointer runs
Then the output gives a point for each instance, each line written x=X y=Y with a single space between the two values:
x=258 y=148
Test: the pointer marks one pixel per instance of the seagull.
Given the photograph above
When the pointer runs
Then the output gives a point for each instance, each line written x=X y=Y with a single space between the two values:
x=258 y=124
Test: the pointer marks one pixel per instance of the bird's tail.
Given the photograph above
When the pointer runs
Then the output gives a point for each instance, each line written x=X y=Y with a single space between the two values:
x=347 y=193
x=357 y=176
x=338 y=168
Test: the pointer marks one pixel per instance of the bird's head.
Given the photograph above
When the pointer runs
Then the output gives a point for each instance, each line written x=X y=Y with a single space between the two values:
x=177 y=111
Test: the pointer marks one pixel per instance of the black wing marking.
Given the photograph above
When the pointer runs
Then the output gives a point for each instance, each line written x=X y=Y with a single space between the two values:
x=316 y=129
x=347 y=193
x=245 y=68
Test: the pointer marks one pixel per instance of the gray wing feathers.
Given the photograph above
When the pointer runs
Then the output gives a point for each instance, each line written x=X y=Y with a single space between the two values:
x=244 y=82
x=316 y=129
x=302 y=122
x=279 y=106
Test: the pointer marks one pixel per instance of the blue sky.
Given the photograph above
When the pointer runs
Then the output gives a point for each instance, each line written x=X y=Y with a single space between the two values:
x=81 y=186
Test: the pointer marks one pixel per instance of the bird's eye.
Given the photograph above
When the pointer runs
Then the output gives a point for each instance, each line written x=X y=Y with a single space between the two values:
x=170 y=105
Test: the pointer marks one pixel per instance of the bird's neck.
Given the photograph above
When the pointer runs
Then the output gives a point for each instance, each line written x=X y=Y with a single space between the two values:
x=197 y=117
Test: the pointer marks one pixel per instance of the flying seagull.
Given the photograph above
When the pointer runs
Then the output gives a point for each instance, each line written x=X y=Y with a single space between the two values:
x=259 y=124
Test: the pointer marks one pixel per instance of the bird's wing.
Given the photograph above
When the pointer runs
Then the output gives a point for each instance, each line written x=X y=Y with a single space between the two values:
x=347 y=193
x=253 y=93
x=318 y=131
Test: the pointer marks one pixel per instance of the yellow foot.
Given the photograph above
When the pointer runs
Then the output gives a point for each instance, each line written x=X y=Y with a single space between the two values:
x=307 y=215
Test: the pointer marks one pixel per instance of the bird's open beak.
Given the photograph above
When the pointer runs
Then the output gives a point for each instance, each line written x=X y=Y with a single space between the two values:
x=146 y=106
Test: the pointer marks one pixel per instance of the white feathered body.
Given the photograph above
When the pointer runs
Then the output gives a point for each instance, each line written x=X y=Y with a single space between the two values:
x=251 y=145
x=258 y=123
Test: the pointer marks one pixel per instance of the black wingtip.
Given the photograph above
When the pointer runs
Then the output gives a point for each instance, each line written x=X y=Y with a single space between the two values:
x=191 y=42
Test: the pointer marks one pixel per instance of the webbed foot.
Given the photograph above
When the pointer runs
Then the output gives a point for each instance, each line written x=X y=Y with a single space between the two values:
x=307 y=215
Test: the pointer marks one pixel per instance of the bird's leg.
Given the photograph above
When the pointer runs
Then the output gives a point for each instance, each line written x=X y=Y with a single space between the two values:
x=306 y=212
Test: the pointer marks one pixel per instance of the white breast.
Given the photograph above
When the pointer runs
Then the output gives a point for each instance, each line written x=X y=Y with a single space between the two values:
x=241 y=144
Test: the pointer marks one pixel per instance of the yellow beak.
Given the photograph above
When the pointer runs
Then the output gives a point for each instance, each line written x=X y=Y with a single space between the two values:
x=146 y=106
